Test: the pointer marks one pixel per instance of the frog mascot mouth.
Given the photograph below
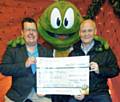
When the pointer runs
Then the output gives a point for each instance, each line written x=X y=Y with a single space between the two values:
x=59 y=24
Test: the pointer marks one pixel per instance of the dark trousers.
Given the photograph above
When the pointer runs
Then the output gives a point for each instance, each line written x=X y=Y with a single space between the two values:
x=60 y=98
x=94 y=98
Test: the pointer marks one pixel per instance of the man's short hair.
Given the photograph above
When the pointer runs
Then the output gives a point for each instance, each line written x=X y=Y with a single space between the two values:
x=88 y=21
x=27 y=19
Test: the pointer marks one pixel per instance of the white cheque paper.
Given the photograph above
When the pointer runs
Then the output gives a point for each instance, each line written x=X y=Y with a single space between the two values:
x=63 y=75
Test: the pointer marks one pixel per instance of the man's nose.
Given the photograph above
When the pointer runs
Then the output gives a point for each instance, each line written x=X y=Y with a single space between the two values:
x=31 y=31
x=86 y=33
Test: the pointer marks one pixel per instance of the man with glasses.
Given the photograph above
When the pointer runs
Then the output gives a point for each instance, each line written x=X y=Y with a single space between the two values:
x=19 y=62
x=103 y=64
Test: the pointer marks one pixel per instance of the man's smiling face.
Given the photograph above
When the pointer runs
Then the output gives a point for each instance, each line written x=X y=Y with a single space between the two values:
x=29 y=33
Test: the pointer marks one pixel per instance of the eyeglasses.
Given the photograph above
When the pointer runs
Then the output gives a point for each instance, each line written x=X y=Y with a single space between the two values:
x=29 y=29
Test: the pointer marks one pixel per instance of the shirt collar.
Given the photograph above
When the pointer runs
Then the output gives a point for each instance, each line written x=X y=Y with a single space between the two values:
x=88 y=47
x=34 y=52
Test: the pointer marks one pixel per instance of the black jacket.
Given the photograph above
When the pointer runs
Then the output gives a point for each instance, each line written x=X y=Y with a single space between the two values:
x=107 y=66
x=23 y=79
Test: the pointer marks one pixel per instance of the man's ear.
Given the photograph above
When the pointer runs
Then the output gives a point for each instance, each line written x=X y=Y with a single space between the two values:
x=95 y=31
x=79 y=32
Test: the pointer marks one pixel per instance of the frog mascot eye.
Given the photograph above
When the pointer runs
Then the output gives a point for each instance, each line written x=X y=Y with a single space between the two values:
x=68 y=21
x=55 y=18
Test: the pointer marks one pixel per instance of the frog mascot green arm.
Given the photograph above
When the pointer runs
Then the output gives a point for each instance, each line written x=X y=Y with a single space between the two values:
x=18 y=41
x=59 y=26
x=103 y=41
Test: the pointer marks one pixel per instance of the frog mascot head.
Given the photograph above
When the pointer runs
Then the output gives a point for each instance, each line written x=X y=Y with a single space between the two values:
x=59 y=24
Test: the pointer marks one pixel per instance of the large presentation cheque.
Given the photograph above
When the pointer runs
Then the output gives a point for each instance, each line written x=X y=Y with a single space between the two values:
x=63 y=75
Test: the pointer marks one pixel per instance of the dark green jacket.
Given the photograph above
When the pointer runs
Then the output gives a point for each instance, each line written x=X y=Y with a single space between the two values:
x=107 y=66
x=13 y=64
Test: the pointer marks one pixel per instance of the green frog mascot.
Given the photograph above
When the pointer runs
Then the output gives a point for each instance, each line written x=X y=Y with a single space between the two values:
x=59 y=26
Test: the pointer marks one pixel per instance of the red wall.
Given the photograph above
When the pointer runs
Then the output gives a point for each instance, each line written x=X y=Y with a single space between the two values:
x=12 y=11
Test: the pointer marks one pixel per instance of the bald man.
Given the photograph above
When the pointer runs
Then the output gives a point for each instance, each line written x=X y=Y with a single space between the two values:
x=103 y=64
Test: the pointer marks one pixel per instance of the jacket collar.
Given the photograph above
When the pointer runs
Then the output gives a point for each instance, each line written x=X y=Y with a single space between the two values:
x=97 y=46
